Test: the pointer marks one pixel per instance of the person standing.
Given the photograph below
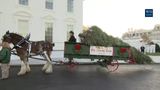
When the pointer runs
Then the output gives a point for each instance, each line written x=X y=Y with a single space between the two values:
x=5 y=55
x=72 y=39
x=142 y=49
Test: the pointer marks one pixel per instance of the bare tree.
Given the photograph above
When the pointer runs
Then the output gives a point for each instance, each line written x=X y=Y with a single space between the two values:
x=145 y=38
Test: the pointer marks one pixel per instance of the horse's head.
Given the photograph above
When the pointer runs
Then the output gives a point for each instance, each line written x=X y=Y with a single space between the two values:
x=11 y=37
x=7 y=37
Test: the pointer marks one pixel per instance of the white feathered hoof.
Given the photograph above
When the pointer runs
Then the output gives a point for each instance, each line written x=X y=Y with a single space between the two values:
x=49 y=69
x=21 y=73
x=28 y=69
x=45 y=67
x=23 y=70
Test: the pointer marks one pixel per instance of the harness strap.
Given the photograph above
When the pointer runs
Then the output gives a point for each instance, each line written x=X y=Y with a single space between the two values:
x=26 y=39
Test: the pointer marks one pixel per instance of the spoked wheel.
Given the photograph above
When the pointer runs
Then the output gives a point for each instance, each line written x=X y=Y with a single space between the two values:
x=72 y=65
x=112 y=66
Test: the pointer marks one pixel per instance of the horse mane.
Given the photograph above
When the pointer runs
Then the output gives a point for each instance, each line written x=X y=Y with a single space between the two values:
x=16 y=34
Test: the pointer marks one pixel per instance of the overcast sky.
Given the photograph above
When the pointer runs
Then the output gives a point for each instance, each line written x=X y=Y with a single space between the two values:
x=116 y=16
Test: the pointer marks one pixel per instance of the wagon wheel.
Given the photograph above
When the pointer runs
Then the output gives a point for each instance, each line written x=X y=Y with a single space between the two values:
x=112 y=66
x=72 y=64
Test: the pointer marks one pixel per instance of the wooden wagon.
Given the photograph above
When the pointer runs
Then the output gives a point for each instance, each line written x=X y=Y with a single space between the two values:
x=106 y=56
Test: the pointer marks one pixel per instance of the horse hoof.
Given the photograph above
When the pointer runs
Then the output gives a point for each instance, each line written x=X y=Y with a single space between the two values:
x=48 y=71
x=28 y=71
x=20 y=74
x=43 y=69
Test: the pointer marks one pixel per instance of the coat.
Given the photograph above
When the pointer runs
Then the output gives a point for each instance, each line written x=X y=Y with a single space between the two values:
x=72 y=39
x=5 y=55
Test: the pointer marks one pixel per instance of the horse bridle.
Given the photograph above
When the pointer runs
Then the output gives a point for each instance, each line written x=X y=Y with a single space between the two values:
x=18 y=45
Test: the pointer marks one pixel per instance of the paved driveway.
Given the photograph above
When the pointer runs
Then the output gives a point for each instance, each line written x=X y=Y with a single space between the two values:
x=86 y=77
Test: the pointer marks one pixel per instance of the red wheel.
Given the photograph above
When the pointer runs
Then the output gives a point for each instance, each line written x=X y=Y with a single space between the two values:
x=61 y=62
x=113 y=66
x=72 y=65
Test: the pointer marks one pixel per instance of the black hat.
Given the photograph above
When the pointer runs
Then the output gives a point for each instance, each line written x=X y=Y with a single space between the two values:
x=71 y=32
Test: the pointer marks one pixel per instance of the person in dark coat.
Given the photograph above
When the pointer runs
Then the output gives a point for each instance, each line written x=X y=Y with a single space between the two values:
x=5 y=55
x=142 y=49
x=72 y=39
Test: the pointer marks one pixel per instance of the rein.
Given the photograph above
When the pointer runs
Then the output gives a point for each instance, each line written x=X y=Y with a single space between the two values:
x=18 y=45
x=26 y=39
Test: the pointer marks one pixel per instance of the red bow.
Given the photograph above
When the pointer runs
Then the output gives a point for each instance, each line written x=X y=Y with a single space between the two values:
x=78 y=47
x=123 y=50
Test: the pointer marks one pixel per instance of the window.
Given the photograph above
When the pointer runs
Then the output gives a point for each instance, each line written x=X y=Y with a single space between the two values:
x=70 y=5
x=136 y=34
x=133 y=34
x=70 y=27
x=23 y=27
x=23 y=2
x=49 y=4
x=48 y=32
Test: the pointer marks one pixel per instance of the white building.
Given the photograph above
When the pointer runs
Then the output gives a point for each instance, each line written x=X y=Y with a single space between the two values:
x=45 y=19
x=153 y=34
x=135 y=34
x=134 y=38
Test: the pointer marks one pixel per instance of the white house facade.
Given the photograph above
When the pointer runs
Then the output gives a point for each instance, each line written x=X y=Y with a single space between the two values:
x=49 y=20
x=153 y=34
x=134 y=38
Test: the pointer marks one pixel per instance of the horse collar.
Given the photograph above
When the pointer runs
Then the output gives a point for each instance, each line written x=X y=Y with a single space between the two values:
x=18 y=45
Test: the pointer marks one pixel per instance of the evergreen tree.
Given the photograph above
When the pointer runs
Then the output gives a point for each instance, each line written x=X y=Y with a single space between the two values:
x=95 y=36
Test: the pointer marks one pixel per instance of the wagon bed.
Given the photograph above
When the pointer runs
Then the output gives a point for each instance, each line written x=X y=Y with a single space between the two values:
x=107 y=56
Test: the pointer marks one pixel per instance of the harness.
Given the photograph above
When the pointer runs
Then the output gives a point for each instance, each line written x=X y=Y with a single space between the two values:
x=25 y=39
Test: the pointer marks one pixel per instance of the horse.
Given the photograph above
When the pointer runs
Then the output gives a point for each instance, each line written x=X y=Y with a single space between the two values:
x=25 y=48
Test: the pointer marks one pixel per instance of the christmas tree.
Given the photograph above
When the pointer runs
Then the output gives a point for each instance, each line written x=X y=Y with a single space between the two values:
x=95 y=36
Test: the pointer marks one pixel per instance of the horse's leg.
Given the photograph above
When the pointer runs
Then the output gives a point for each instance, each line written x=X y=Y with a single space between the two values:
x=24 y=66
x=47 y=63
x=27 y=65
x=48 y=66
x=45 y=66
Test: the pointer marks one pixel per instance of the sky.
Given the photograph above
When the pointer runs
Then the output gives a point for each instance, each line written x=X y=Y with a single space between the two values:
x=116 y=16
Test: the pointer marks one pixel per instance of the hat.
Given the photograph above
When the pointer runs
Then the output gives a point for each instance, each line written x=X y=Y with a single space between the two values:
x=71 y=32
